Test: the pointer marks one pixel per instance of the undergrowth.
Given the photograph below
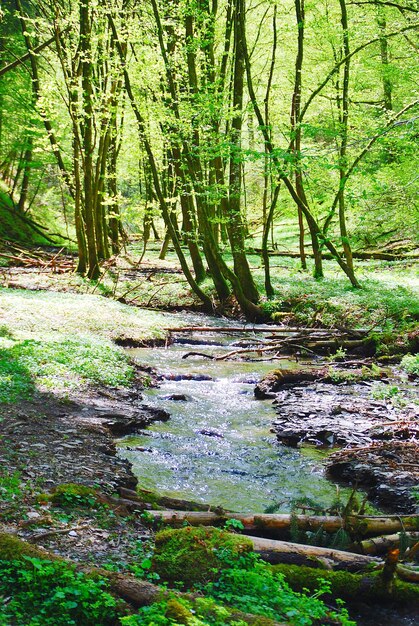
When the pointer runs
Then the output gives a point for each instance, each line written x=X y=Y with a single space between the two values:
x=61 y=365
x=36 y=592
x=410 y=364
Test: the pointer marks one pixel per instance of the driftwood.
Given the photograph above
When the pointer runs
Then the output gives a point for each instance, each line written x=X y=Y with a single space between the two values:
x=57 y=262
x=267 y=329
x=320 y=342
x=279 y=524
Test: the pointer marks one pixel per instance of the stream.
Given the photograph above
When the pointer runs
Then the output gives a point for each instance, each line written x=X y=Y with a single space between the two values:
x=217 y=446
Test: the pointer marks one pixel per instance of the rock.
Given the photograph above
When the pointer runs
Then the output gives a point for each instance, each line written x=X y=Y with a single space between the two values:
x=197 y=377
x=210 y=433
x=177 y=397
x=386 y=480
x=32 y=515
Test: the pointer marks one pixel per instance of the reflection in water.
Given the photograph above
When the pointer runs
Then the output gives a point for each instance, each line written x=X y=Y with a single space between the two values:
x=217 y=446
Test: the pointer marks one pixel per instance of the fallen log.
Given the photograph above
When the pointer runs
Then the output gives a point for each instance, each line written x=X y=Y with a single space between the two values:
x=146 y=496
x=407 y=573
x=364 y=256
x=279 y=524
x=275 y=552
x=234 y=329
x=364 y=587
x=380 y=545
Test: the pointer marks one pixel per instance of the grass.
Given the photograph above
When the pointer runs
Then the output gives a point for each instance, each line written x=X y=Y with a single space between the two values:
x=63 y=342
x=389 y=296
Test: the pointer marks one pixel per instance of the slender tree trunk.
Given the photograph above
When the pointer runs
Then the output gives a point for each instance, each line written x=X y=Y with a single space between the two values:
x=385 y=61
x=196 y=170
x=235 y=226
x=156 y=181
x=88 y=145
x=265 y=255
x=344 y=144
x=296 y=126
x=188 y=217
x=312 y=223
x=24 y=188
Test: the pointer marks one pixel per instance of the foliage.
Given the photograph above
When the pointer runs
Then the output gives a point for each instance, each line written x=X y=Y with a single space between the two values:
x=70 y=495
x=233 y=525
x=203 y=612
x=38 y=592
x=410 y=363
x=261 y=591
x=12 y=491
x=15 y=380
x=330 y=303
x=224 y=567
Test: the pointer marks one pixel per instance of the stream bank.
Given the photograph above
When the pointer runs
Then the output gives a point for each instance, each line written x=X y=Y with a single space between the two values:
x=377 y=424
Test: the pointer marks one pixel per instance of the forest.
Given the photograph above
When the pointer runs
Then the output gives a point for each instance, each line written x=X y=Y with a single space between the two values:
x=209 y=306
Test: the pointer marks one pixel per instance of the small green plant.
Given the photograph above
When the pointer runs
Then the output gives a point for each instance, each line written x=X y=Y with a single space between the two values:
x=5 y=332
x=71 y=495
x=385 y=392
x=339 y=355
x=46 y=593
x=10 y=487
x=233 y=525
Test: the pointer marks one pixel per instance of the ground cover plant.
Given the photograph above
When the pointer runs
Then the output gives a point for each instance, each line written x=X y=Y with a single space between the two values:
x=76 y=348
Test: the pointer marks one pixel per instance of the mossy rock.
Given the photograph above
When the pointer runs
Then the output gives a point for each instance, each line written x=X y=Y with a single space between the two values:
x=195 y=555
x=70 y=495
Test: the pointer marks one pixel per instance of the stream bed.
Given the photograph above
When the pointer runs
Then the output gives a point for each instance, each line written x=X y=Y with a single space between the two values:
x=217 y=446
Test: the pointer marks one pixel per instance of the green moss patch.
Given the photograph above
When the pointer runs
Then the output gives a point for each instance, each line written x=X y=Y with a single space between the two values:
x=70 y=495
x=193 y=555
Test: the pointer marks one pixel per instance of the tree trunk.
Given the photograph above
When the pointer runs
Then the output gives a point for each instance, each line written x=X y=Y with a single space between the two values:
x=88 y=146
x=385 y=62
x=235 y=226
x=344 y=116
x=275 y=552
x=295 y=124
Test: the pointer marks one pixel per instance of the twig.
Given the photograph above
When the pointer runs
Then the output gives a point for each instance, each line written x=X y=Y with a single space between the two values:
x=59 y=531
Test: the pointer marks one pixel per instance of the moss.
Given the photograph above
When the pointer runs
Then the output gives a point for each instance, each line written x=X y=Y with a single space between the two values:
x=149 y=497
x=14 y=549
x=178 y=612
x=194 y=555
x=69 y=495
x=367 y=587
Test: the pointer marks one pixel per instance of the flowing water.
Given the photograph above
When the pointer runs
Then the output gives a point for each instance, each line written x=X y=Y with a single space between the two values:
x=217 y=447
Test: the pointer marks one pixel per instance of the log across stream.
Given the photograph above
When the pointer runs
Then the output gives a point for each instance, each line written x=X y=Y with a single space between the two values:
x=217 y=446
